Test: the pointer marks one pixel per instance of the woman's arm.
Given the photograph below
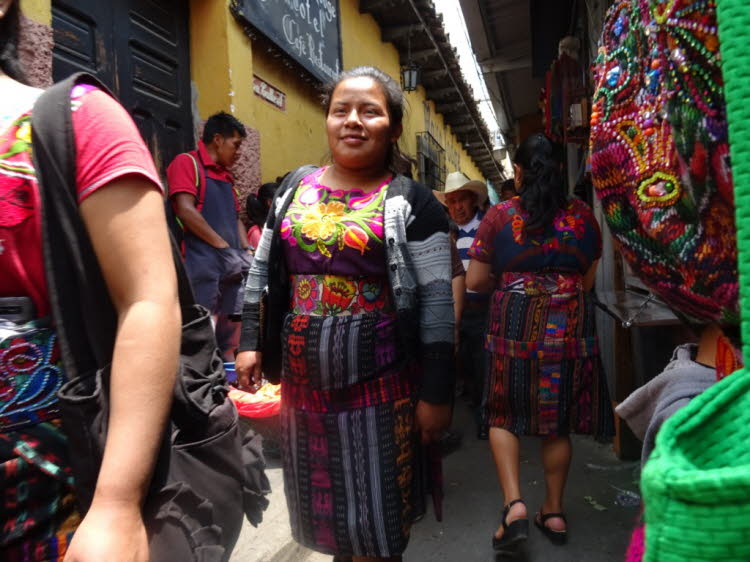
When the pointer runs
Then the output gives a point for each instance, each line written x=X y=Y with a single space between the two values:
x=249 y=360
x=479 y=277
x=429 y=248
x=126 y=224
x=193 y=220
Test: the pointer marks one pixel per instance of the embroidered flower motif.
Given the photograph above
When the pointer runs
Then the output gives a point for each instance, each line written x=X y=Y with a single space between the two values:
x=356 y=238
x=517 y=226
x=338 y=293
x=321 y=219
x=306 y=294
x=371 y=295
x=23 y=133
x=320 y=222
x=566 y=222
x=287 y=232
x=551 y=245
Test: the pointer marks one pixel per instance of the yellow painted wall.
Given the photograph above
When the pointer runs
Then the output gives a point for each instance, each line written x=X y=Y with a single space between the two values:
x=456 y=157
x=223 y=61
x=290 y=138
x=38 y=10
x=209 y=55
x=297 y=136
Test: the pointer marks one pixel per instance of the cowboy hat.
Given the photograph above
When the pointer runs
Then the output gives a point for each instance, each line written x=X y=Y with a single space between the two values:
x=457 y=181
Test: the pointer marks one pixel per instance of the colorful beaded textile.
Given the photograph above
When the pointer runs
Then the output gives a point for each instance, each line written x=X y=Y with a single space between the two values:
x=30 y=374
x=660 y=155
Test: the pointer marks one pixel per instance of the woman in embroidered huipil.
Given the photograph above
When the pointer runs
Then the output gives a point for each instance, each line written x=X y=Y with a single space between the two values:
x=367 y=333
x=537 y=254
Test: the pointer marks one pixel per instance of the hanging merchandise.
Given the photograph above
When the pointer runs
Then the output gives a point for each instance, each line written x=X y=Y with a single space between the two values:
x=660 y=154
x=566 y=88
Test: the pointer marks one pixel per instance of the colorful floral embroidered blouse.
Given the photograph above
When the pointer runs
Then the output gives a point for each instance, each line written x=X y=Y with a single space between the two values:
x=569 y=245
x=334 y=232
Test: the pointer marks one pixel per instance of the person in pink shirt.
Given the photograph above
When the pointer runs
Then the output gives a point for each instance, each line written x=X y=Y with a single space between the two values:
x=117 y=187
x=256 y=209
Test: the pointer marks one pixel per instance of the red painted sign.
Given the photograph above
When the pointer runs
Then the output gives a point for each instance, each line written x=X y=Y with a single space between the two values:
x=272 y=95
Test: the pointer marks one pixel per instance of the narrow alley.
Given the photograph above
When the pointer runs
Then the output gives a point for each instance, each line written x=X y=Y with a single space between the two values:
x=599 y=506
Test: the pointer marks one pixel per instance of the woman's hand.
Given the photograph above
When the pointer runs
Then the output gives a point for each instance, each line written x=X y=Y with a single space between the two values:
x=249 y=372
x=432 y=420
x=111 y=531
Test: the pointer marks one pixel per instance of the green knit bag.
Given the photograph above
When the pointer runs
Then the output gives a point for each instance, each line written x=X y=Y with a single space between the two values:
x=696 y=484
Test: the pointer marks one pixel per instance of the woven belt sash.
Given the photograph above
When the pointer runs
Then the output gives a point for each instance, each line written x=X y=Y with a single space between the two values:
x=338 y=295
x=564 y=285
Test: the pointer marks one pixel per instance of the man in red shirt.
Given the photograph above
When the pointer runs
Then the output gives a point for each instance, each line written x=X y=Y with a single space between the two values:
x=202 y=192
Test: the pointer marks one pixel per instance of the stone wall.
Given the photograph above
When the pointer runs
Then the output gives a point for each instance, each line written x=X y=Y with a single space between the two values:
x=35 y=50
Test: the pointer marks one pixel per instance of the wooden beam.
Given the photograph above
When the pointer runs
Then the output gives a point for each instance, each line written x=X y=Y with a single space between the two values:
x=420 y=56
x=499 y=65
x=393 y=32
x=442 y=93
x=462 y=128
x=369 y=6
x=435 y=74
x=449 y=107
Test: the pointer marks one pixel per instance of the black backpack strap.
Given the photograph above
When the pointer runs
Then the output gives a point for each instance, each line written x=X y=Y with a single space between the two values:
x=68 y=253
x=85 y=318
x=201 y=178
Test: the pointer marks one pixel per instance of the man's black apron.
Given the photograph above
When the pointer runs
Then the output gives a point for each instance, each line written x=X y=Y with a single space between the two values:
x=216 y=274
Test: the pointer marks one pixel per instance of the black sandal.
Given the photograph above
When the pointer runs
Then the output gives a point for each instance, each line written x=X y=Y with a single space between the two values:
x=513 y=534
x=555 y=537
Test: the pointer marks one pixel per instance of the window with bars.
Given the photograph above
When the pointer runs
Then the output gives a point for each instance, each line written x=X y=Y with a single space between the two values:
x=431 y=161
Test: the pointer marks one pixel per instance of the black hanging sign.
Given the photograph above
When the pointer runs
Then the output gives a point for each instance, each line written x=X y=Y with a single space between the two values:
x=308 y=30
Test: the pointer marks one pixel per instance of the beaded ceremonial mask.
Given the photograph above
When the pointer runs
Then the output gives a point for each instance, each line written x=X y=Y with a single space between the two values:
x=660 y=155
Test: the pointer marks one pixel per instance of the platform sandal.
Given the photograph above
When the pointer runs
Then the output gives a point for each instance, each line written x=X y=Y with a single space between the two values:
x=514 y=533
x=555 y=537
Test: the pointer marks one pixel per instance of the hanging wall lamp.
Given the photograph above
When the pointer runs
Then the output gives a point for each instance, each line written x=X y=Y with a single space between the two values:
x=409 y=72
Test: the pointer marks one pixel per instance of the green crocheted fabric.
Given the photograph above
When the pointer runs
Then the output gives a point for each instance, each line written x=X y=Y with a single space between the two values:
x=696 y=484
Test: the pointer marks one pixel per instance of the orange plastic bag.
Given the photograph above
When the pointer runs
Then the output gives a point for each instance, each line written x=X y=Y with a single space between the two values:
x=263 y=404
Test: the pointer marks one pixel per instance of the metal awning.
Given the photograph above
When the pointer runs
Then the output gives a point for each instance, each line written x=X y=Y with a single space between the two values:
x=500 y=33
x=415 y=25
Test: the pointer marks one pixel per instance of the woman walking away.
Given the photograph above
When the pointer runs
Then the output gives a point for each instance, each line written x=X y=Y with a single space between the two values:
x=537 y=254
x=117 y=187
x=356 y=261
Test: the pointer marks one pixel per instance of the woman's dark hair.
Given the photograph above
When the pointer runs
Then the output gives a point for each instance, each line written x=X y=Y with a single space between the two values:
x=9 y=33
x=266 y=192
x=223 y=124
x=396 y=161
x=256 y=211
x=508 y=185
x=542 y=188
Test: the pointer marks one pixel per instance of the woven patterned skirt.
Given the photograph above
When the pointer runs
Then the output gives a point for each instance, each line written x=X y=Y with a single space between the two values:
x=350 y=452
x=545 y=373
x=38 y=505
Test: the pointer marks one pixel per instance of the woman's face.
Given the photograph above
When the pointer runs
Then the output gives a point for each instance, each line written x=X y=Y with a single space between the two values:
x=359 y=125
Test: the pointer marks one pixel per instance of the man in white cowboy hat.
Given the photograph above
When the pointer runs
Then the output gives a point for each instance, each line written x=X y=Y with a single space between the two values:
x=464 y=199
